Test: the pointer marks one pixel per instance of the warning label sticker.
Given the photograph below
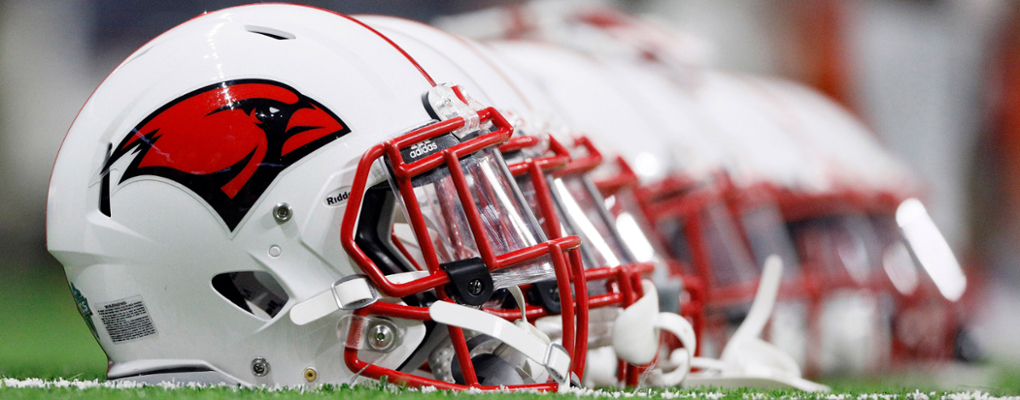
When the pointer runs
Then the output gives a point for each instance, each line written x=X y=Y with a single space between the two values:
x=126 y=320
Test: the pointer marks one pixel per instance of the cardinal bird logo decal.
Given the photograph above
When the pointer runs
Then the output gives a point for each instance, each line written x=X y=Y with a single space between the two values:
x=226 y=142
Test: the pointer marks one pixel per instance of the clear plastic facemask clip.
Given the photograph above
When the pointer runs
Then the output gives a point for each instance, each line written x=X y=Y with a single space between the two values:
x=449 y=101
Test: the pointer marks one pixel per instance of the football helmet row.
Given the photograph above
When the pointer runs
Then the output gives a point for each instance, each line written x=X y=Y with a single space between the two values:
x=283 y=195
x=802 y=178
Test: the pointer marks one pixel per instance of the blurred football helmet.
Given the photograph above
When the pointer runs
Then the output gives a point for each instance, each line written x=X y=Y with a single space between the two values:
x=613 y=118
x=615 y=111
x=591 y=27
x=780 y=164
x=554 y=179
x=841 y=192
x=224 y=207
x=877 y=194
x=684 y=177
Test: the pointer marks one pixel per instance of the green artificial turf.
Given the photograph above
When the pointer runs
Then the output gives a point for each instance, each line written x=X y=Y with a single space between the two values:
x=42 y=335
x=1007 y=380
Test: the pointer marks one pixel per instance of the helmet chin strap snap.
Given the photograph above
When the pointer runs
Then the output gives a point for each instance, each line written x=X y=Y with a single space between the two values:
x=552 y=356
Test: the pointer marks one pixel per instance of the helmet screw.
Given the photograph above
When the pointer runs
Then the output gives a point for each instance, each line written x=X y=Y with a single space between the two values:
x=310 y=374
x=282 y=212
x=475 y=287
x=380 y=337
x=260 y=367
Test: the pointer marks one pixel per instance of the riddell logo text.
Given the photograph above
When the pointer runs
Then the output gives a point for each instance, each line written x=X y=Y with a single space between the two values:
x=340 y=197
x=423 y=148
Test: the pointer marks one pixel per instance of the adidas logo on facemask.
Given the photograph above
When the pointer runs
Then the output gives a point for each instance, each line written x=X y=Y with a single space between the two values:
x=422 y=149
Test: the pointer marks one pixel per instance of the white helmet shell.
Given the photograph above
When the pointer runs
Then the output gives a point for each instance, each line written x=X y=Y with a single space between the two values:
x=584 y=90
x=202 y=193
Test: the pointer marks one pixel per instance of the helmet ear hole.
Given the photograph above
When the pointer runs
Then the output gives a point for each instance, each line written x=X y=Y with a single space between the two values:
x=256 y=292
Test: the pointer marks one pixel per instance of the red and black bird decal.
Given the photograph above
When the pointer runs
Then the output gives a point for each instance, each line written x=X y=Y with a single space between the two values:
x=226 y=142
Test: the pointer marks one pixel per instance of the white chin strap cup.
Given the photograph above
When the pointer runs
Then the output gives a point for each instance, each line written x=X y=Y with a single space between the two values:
x=747 y=361
x=636 y=337
x=552 y=356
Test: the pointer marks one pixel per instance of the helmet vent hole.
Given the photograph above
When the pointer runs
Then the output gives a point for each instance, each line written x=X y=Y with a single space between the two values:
x=269 y=32
x=255 y=292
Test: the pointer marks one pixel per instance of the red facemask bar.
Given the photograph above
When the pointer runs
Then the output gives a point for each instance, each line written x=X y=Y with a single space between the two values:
x=829 y=236
x=847 y=240
x=829 y=259
x=561 y=254
x=561 y=193
x=830 y=228
x=620 y=187
x=799 y=209
x=715 y=230
x=623 y=279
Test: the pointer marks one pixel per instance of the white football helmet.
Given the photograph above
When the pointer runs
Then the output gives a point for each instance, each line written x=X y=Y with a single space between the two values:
x=776 y=185
x=553 y=174
x=594 y=27
x=881 y=194
x=617 y=112
x=225 y=202
x=647 y=64
x=839 y=175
